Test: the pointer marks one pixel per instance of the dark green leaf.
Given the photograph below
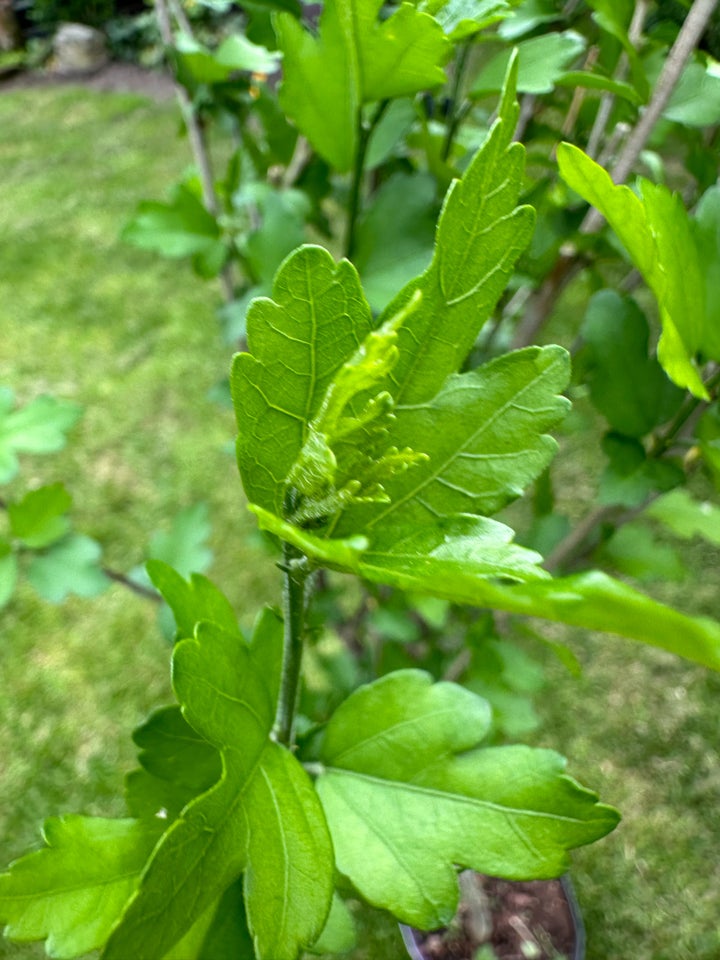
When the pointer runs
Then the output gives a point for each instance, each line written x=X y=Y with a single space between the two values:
x=631 y=476
x=39 y=518
x=70 y=566
x=627 y=385
x=74 y=889
x=410 y=796
x=395 y=236
x=171 y=750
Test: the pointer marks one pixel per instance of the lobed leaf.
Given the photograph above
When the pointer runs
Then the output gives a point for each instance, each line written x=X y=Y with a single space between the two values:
x=261 y=819
x=69 y=566
x=38 y=427
x=483 y=434
x=354 y=60
x=480 y=235
x=298 y=341
x=191 y=601
x=74 y=889
x=542 y=61
x=410 y=797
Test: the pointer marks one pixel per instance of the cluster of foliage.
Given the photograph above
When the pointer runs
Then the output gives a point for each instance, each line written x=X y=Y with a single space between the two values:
x=383 y=421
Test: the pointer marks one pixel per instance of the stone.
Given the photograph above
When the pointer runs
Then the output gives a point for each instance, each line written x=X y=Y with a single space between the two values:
x=78 y=48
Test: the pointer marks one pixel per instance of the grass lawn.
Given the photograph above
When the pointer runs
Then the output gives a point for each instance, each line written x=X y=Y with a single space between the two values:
x=134 y=340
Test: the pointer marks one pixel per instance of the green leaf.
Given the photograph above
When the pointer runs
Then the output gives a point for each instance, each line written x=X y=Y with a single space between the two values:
x=38 y=519
x=410 y=796
x=459 y=547
x=464 y=18
x=191 y=601
x=184 y=545
x=541 y=62
x=695 y=100
x=400 y=55
x=283 y=214
x=71 y=566
x=706 y=230
x=633 y=550
x=8 y=572
x=228 y=937
x=687 y=517
x=339 y=935
x=171 y=750
x=354 y=60
x=180 y=228
x=336 y=553
x=657 y=233
x=321 y=90
x=627 y=385
x=483 y=434
x=395 y=236
x=480 y=235
x=262 y=818
x=38 y=427
x=298 y=341
x=590 y=600
x=596 y=81
x=631 y=476
x=239 y=53
x=74 y=889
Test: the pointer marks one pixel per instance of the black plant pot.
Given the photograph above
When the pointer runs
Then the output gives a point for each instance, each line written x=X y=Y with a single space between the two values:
x=517 y=908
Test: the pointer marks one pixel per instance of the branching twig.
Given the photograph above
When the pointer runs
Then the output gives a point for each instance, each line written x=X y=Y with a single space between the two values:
x=544 y=299
x=196 y=134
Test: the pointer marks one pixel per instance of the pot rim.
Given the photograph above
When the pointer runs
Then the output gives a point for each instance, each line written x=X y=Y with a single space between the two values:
x=408 y=933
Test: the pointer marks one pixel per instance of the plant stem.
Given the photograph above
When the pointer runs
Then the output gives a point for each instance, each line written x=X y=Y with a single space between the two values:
x=456 y=113
x=543 y=300
x=196 y=136
x=364 y=133
x=294 y=606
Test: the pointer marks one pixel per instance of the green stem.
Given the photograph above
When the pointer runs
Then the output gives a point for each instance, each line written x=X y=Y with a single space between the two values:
x=296 y=573
x=457 y=112
x=364 y=132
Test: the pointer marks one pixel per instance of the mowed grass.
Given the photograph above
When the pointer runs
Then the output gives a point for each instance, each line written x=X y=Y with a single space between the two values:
x=134 y=340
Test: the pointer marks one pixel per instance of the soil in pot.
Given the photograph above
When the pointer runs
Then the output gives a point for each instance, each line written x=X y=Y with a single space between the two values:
x=505 y=920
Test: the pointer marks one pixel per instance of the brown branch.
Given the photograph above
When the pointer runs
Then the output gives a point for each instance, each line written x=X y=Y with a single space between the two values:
x=196 y=136
x=543 y=300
